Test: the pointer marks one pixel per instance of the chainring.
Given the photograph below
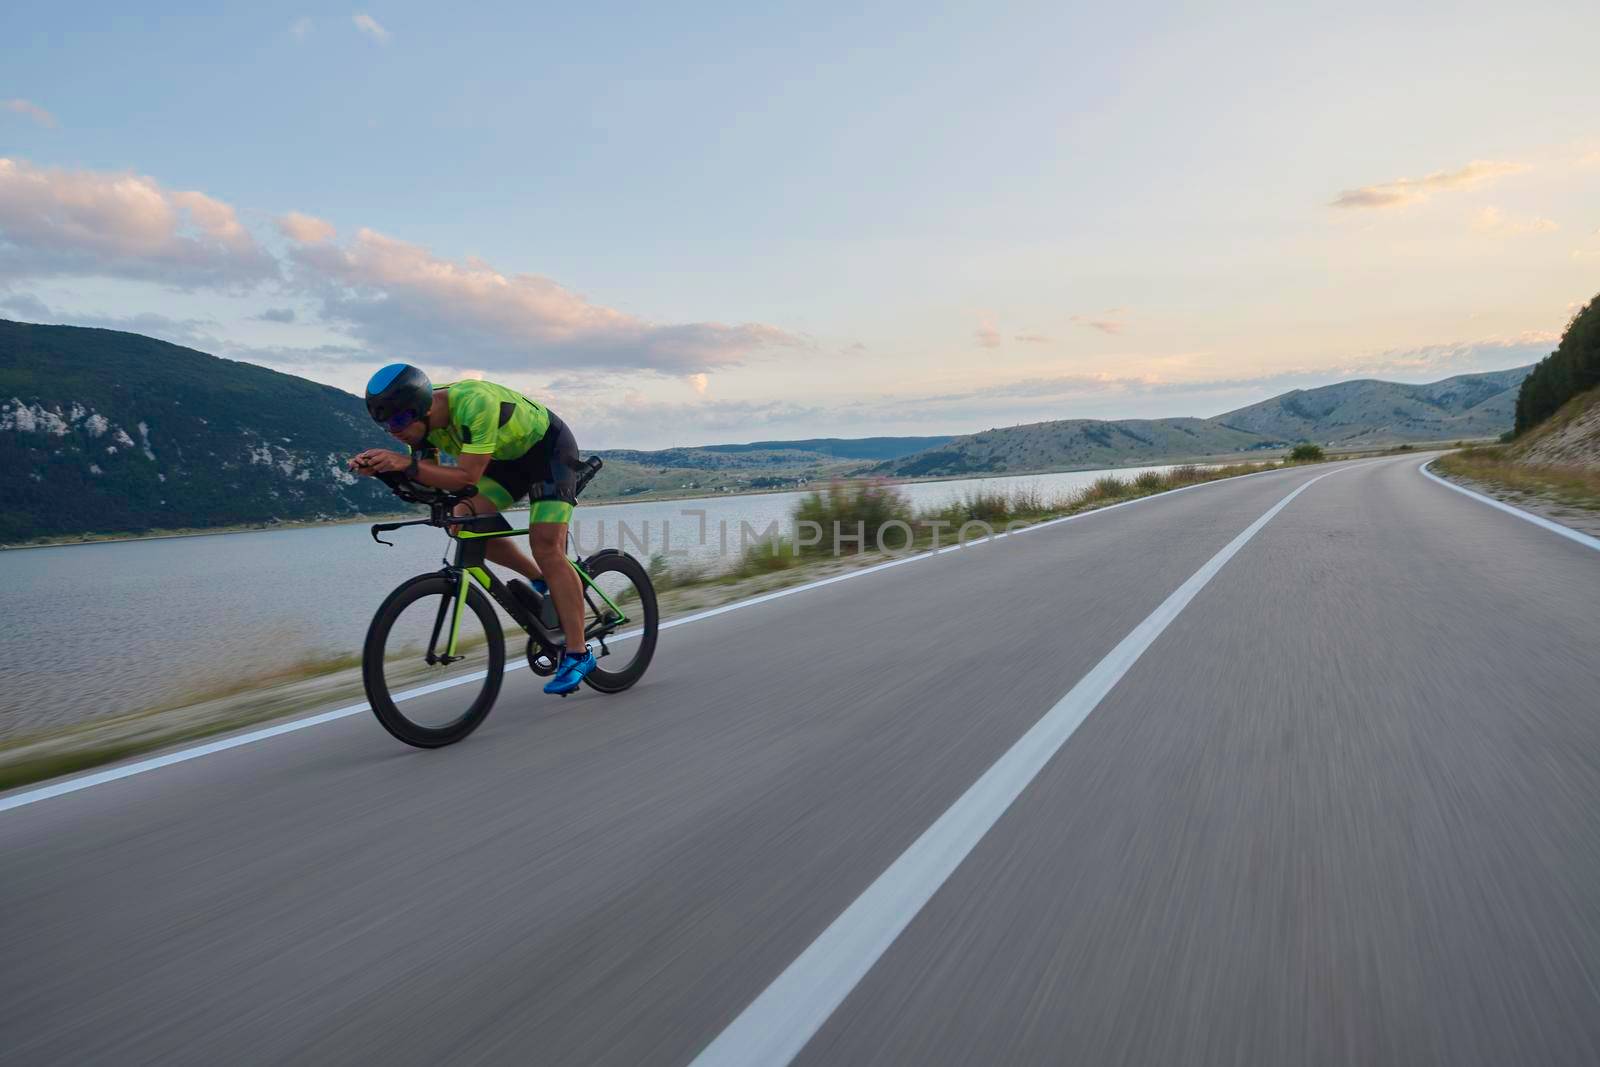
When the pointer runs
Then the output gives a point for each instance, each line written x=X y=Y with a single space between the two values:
x=540 y=660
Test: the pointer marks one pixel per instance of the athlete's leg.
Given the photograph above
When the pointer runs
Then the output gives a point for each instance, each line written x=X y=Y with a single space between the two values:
x=501 y=550
x=566 y=588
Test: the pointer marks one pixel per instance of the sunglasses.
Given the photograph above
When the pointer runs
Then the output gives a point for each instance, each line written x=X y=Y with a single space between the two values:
x=401 y=420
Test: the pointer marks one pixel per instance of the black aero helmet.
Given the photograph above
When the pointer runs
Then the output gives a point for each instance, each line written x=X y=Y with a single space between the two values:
x=399 y=394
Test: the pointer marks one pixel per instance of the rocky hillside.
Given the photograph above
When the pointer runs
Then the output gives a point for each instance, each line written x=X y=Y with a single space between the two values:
x=1369 y=411
x=1343 y=415
x=1569 y=438
x=1074 y=443
x=109 y=432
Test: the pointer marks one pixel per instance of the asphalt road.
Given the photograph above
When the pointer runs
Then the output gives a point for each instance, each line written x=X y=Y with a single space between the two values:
x=1341 y=810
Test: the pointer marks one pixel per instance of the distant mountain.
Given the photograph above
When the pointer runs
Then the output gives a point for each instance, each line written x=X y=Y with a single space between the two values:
x=1073 y=443
x=1346 y=414
x=773 y=454
x=110 y=432
x=841 y=447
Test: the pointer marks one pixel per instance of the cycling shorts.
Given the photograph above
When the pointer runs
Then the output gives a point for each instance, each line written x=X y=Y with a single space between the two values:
x=547 y=474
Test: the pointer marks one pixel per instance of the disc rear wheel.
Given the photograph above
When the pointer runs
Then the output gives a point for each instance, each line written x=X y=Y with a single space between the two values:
x=631 y=643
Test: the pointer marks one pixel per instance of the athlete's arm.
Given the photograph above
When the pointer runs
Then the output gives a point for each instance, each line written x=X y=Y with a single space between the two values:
x=468 y=469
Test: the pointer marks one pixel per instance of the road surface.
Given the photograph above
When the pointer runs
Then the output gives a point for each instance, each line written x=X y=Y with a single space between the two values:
x=1340 y=806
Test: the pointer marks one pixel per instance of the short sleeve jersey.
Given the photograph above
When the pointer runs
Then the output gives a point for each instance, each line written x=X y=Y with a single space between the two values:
x=489 y=419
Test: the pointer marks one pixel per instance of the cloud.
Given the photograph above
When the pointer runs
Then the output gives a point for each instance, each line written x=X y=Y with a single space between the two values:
x=1403 y=191
x=28 y=108
x=193 y=333
x=306 y=229
x=125 y=225
x=398 y=298
x=987 y=334
x=403 y=300
x=369 y=26
x=1033 y=338
x=276 y=315
x=1444 y=359
x=633 y=420
x=25 y=304
x=296 y=359
x=300 y=27
x=700 y=383
x=1104 y=325
x=1492 y=220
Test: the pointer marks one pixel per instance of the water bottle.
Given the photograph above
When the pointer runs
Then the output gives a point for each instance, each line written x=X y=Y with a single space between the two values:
x=537 y=600
x=546 y=611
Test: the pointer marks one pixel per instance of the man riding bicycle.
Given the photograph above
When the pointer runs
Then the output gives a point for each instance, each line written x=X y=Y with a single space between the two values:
x=509 y=447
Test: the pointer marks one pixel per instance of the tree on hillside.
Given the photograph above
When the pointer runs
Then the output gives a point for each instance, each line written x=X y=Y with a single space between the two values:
x=1573 y=368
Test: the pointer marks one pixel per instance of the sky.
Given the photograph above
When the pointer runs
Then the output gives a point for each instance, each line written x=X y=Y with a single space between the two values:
x=687 y=224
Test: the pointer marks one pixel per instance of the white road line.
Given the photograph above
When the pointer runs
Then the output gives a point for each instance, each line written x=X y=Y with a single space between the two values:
x=776 y=1025
x=72 y=785
x=127 y=770
x=1538 y=520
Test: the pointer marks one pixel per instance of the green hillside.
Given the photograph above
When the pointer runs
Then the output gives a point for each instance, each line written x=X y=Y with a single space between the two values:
x=1573 y=368
x=109 y=432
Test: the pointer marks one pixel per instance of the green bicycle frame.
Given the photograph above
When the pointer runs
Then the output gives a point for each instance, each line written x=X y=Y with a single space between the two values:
x=470 y=559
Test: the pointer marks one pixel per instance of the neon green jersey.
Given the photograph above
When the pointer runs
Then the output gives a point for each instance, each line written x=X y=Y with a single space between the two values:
x=489 y=419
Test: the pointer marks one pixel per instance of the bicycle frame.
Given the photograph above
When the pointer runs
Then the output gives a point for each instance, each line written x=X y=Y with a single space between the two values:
x=471 y=552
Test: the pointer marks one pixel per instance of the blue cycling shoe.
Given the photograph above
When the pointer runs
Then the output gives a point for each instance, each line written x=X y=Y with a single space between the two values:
x=571 y=673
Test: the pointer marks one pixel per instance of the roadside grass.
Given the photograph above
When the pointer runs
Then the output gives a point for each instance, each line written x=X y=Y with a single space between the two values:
x=202 y=711
x=235 y=702
x=1574 y=486
x=874 y=520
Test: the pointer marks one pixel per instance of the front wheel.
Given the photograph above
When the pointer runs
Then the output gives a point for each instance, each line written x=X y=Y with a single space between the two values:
x=631 y=644
x=421 y=693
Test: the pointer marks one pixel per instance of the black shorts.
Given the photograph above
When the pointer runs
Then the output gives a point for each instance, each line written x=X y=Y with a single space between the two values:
x=547 y=474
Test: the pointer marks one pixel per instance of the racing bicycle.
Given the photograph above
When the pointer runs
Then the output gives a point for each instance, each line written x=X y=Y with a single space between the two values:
x=436 y=652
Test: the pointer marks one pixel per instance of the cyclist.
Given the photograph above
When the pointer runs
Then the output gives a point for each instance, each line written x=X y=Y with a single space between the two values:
x=509 y=447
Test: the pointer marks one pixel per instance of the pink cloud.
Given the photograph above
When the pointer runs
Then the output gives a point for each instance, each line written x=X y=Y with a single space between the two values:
x=369 y=26
x=403 y=299
x=18 y=106
x=55 y=221
x=987 y=334
x=1105 y=325
x=1403 y=191
x=306 y=229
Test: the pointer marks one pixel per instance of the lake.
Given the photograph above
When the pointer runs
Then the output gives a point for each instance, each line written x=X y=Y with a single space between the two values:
x=101 y=629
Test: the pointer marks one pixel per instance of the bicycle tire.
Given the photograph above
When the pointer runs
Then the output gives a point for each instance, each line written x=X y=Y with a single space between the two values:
x=605 y=681
x=373 y=661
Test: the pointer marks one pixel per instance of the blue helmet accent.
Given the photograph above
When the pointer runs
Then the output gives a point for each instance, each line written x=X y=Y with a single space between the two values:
x=399 y=394
x=384 y=378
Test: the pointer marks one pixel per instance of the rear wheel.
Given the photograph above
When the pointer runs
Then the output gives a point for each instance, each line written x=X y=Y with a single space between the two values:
x=438 y=703
x=629 y=644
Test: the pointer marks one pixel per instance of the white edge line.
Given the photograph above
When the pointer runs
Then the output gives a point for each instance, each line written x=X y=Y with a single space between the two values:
x=1538 y=520
x=779 y=1022
x=128 y=770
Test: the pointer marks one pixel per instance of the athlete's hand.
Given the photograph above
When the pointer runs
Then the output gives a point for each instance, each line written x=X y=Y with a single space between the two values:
x=379 y=461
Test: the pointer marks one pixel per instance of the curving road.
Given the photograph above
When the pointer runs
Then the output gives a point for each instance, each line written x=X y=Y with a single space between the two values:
x=1166 y=783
